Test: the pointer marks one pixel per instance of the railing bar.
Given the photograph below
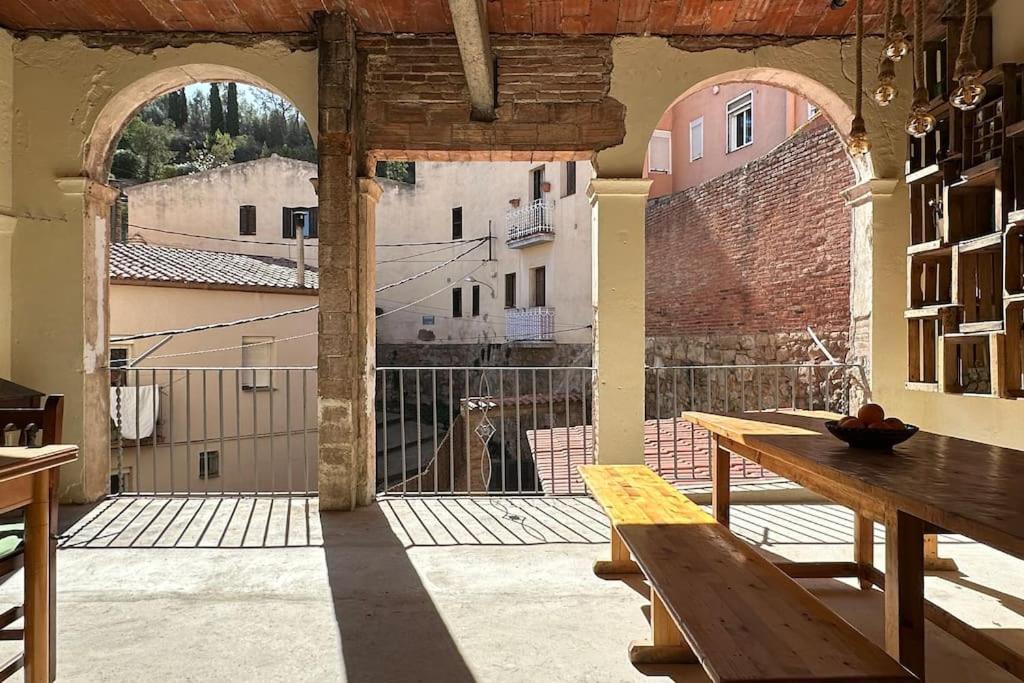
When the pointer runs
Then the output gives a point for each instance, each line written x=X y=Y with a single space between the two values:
x=743 y=392
x=568 y=432
x=433 y=442
x=551 y=426
x=288 y=430
x=725 y=372
x=657 y=415
x=419 y=437
x=188 y=430
x=138 y=439
x=305 y=455
x=536 y=436
x=519 y=435
x=778 y=383
x=255 y=432
x=238 y=428
x=675 y=423
x=270 y=440
x=501 y=416
x=793 y=384
x=170 y=426
x=384 y=408
x=156 y=419
x=401 y=419
x=221 y=456
x=451 y=431
x=693 y=427
x=206 y=450
x=465 y=410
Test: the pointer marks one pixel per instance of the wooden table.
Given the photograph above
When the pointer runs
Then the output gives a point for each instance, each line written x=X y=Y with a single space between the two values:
x=930 y=484
x=28 y=479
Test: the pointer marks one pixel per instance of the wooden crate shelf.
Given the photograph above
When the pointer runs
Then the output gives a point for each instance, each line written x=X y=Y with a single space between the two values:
x=978 y=283
x=965 y=262
x=973 y=364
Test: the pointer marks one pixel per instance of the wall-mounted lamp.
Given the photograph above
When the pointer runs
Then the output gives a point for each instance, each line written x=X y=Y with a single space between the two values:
x=470 y=278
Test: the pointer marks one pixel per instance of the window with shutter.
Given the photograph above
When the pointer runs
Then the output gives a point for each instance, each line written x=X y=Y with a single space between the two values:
x=510 y=290
x=476 y=300
x=247 y=219
x=457 y=223
x=287 y=227
x=697 y=139
x=457 y=302
x=740 y=119
x=659 y=152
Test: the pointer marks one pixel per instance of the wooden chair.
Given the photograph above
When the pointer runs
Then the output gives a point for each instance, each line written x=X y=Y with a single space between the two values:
x=49 y=420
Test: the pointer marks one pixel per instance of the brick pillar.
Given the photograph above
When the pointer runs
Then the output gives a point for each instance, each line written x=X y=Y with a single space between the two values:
x=619 y=207
x=87 y=403
x=345 y=357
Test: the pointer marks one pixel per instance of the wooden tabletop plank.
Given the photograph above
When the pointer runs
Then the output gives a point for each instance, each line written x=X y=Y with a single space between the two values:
x=743 y=617
x=966 y=487
x=20 y=461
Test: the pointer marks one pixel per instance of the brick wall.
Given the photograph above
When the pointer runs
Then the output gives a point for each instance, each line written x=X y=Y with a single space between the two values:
x=763 y=249
x=553 y=101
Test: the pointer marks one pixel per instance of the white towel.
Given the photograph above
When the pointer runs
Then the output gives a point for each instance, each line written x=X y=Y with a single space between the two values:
x=140 y=406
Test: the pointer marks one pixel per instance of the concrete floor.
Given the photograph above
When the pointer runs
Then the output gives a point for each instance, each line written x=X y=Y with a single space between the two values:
x=495 y=589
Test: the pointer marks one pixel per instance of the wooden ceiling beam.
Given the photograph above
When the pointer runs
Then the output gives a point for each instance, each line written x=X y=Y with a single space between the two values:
x=470 y=21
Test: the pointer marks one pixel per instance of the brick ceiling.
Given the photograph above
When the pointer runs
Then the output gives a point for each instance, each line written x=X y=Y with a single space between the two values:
x=664 y=17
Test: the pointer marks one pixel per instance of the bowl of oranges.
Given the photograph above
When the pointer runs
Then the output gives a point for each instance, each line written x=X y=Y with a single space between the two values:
x=871 y=429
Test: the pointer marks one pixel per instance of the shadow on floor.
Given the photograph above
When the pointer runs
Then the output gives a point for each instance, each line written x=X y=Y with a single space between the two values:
x=389 y=626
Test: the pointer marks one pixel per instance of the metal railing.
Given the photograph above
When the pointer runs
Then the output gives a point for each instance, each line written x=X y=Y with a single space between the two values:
x=223 y=431
x=680 y=451
x=529 y=223
x=482 y=430
x=536 y=324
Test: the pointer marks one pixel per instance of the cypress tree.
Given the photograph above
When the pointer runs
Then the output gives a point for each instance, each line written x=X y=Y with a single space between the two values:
x=231 y=117
x=216 y=111
x=177 y=108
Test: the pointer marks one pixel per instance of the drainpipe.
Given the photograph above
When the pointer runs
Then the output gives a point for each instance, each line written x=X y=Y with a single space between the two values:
x=300 y=257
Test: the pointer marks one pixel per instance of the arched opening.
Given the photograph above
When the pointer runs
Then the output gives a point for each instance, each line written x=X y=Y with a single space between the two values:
x=209 y=288
x=750 y=250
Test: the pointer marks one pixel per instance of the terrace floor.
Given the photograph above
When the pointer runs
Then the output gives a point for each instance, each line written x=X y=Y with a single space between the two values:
x=427 y=589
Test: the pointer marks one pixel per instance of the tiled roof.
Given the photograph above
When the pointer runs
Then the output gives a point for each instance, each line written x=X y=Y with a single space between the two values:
x=149 y=262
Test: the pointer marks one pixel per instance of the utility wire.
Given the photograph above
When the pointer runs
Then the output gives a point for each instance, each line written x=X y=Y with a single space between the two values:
x=286 y=244
x=413 y=303
x=430 y=270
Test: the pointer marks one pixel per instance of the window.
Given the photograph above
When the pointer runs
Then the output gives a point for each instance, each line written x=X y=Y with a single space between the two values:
x=247 y=219
x=398 y=171
x=476 y=300
x=537 y=184
x=209 y=464
x=257 y=352
x=740 y=121
x=697 y=139
x=119 y=357
x=457 y=223
x=510 y=290
x=457 y=302
x=812 y=110
x=569 y=187
x=539 y=287
x=659 y=152
x=306 y=216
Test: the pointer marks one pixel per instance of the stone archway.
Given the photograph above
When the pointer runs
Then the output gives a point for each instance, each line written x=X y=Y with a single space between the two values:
x=96 y=199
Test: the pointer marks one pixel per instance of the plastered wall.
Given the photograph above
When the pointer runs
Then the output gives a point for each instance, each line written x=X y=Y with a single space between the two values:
x=6 y=196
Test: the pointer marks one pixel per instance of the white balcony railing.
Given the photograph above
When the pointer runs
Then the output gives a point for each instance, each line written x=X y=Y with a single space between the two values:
x=532 y=223
x=535 y=324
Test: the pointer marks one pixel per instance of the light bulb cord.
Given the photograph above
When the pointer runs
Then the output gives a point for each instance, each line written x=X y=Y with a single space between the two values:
x=918 y=45
x=966 y=58
x=859 y=102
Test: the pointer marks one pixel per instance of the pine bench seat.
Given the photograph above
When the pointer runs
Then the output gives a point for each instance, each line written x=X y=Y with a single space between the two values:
x=715 y=600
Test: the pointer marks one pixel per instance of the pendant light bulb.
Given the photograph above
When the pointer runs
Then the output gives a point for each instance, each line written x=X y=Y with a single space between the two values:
x=897 y=46
x=859 y=144
x=969 y=95
x=921 y=122
x=886 y=91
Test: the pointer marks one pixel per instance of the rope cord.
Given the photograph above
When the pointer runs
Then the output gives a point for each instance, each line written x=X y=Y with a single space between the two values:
x=965 y=57
x=919 y=44
x=859 y=102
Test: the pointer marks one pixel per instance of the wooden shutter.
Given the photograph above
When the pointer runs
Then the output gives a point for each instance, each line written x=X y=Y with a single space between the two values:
x=314 y=222
x=539 y=287
x=287 y=229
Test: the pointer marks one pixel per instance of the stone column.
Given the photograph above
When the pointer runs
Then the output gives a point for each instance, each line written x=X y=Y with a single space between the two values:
x=88 y=479
x=346 y=321
x=618 y=215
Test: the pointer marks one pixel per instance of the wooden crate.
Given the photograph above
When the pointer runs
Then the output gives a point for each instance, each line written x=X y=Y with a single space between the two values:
x=973 y=364
x=978 y=283
x=1014 y=364
x=930 y=278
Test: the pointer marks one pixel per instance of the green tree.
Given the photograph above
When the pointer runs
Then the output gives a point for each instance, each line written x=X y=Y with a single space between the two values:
x=151 y=142
x=231 y=115
x=177 y=108
x=216 y=110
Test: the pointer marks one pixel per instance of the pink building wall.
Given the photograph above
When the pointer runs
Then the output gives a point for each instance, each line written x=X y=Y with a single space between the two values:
x=776 y=114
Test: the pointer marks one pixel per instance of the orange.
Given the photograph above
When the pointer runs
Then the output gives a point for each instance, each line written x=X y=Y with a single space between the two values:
x=849 y=422
x=871 y=413
x=893 y=423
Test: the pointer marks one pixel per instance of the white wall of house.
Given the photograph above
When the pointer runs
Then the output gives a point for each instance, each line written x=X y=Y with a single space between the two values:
x=208 y=204
x=265 y=437
x=423 y=213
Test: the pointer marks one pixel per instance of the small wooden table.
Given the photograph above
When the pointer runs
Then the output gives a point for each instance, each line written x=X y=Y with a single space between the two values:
x=28 y=479
x=930 y=484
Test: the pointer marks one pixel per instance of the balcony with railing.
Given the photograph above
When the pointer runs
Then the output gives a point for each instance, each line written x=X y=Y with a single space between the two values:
x=530 y=224
x=534 y=325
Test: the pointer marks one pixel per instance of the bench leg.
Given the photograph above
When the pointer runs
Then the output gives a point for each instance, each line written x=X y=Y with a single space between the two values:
x=863 y=548
x=666 y=645
x=620 y=562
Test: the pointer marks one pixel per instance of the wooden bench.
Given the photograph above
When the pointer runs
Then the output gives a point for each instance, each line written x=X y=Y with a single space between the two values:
x=715 y=600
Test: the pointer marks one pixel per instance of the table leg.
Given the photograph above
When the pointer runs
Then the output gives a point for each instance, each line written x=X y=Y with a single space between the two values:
x=932 y=561
x=720 y=482
x=863 y=548
x=37 y=581
x=54 y=483
x=904 y=592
